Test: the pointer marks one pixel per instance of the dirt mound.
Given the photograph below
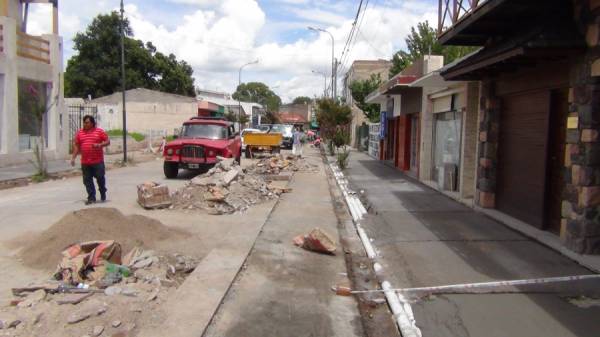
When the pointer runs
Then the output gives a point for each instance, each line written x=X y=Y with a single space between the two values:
x=44 y=250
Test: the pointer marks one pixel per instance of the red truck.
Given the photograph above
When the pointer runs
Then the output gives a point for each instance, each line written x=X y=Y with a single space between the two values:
x=199 y=143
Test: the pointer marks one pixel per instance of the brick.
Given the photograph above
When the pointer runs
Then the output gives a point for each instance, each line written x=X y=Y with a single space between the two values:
x=592 y=35
x=570 y=193
x=573 y=136
x=595 y=68
x=487 y=200
x=591 y=154
x=589 y=135
x=486 y=185
x=589 y=196
x=483 y=136
x=489 y=150
x=563 y=230
x=589 y=116
x=576 y=172
x=566 y=209
x=571 y=96
x=485 y=162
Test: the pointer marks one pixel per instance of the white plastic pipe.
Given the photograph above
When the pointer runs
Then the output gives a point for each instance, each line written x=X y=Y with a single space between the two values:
x=366 y=242
x=406 y=326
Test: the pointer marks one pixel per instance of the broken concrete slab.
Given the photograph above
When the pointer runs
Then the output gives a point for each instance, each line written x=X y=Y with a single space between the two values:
x=33 y=299
x=282 y=176
x=98 y=330
x=71 y=298
x=230 y=176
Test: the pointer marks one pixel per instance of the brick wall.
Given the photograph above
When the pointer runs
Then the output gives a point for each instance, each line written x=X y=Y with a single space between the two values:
x=489 y=114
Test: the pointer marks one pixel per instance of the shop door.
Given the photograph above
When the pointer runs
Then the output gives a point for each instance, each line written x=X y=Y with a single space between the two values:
x=447 y=149
x=556 y=156
x=522 y=152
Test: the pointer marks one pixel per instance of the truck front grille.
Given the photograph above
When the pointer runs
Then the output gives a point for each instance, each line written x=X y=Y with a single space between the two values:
x=192 y=151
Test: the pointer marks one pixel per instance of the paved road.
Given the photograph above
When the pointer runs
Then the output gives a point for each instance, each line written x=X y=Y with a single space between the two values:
x=427 y=239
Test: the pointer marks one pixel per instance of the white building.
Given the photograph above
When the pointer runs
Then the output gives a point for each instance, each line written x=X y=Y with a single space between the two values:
x=31 y=79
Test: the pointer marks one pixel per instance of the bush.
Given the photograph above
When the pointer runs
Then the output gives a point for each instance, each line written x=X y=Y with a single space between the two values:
x=170 y=138
x=118 y=132
x=330 y=148
x=341 y=138
x=342 y=159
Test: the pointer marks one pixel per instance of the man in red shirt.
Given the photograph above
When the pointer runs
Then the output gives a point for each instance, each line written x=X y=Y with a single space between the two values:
x=90 y=142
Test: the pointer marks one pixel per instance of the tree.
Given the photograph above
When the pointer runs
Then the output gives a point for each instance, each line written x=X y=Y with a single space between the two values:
x=270 y=117
x=423 y=41
x=332 y=116
x=96 y=68
x=360 y=89
x=258 y=92
x=302 y=100
x=235 y=117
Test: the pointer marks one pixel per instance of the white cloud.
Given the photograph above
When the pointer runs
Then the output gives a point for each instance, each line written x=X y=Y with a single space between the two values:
x=218 y=36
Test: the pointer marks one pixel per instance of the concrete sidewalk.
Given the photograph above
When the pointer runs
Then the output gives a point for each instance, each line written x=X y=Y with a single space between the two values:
x=58 y=166
x=427 y=239
x=285 y=290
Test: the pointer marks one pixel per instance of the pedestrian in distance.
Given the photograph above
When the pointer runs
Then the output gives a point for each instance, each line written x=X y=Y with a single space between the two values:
x=298 y=136
x=90 y=141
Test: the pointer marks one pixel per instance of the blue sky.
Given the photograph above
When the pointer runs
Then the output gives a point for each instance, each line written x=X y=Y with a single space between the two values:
x=217 y=36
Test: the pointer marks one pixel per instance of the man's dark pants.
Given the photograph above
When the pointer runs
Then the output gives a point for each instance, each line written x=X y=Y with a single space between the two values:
x=89 y=173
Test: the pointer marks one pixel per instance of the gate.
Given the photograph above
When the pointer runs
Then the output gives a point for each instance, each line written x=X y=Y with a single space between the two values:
x=76 y=113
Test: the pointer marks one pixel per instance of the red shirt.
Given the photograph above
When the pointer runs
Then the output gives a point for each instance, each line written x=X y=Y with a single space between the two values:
x=85 y=139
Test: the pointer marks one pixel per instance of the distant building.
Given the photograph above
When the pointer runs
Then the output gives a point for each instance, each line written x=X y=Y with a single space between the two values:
x=254 y=111
x=361 y=70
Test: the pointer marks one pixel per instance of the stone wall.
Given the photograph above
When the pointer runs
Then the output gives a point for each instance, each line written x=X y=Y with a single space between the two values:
x=580 y=226
x=489 y=115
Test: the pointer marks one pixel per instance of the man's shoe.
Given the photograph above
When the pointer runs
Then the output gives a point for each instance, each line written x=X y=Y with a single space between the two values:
x=90 y=201
x=102 y=197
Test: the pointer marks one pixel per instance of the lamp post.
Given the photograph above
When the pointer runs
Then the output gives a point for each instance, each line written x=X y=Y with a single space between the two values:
x=333 y=75
x=240 y=103
x=325 y=81
x=123 y=83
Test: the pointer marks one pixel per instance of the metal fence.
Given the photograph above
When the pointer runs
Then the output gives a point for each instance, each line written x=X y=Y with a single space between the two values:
x=76 y=113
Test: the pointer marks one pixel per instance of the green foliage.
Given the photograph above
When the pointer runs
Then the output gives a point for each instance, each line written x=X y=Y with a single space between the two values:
x=342 y=159
x=170 y=138
x=360 y=90
x=118 y=132
x=330 y=148
x=96 y=68
x=234 y=117
x=302 y=100
x=270 y=117
x=341 y=138
x=422 y=41
x=332 y=116
x=258 y=92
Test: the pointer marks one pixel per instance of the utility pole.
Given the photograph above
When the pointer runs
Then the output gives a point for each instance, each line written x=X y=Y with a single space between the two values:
x=325 y=81
x=333 y=65
x=123 y=83
x=334 y=84
x=239 y=102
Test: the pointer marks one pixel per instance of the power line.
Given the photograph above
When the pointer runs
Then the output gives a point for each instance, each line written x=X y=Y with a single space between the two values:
x=357 y=30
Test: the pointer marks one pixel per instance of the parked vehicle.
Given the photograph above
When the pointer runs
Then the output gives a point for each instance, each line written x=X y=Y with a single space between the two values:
x=201 y=140
x=286 y=131
x=264 y=127
x=262 y=142
x=245 y=131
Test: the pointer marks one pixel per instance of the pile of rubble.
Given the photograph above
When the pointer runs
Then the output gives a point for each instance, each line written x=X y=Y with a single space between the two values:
x=225 y=189
x=278 y=163
x=95 y=292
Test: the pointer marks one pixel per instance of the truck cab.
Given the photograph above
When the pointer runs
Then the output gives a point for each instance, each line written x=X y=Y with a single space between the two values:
x=199 y=143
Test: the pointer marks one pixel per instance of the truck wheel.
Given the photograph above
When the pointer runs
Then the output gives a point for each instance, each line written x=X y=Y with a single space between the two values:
x=171 y=169
x=276 y=150
x=248 y=153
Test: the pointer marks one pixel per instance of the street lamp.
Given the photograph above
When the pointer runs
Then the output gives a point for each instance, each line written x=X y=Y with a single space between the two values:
x=123 y=83
x=333 y=88
x=325 y=82
x=240 y=103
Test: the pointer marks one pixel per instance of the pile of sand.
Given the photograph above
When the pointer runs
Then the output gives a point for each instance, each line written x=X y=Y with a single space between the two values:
x=44 y=250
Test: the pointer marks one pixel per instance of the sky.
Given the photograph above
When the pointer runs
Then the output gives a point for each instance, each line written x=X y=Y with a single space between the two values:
x=216 y=37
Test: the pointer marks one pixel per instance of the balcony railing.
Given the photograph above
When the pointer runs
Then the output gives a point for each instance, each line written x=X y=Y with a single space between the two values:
x=452 y=11
x=33 y=47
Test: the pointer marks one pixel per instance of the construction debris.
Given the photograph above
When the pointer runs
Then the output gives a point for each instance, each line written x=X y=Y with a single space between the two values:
x=317 y=240
x=153 y=195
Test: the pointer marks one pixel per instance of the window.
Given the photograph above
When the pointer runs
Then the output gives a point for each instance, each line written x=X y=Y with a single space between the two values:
x=209 y=131
x=33 y=102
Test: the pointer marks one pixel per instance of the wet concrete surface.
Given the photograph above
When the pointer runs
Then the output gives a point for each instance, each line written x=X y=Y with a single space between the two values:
x=427 y=239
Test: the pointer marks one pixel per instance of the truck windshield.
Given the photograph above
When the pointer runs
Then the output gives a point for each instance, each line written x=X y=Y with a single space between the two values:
x=208 y=131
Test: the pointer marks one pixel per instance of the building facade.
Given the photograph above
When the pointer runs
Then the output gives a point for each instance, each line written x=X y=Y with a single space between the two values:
x=361 y=70
x=539 y=114
x=31 y=85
